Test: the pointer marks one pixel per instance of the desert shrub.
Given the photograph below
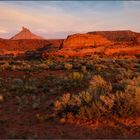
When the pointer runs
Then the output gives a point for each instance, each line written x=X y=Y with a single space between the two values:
x=87 y=104
x=43 y=66
x=22 y=87
x=99 y=86
x=52 y=84
x=65 y=105
x=15 y=63
x=53 y=66
x=77 y=65
x=68 y=83
x=13 y=67
x=137 y=100
x=68 y=66
x=1 y=82
x=77 y=80
x=99 y=67
x=95 y=57
x=118 y=87
x=84 y=69
x=5 y=66
x=89 y=65
x=31 y=85
x=17 y=84
x=132 y=86
x=98 y=100
x=82 y=105
x=90 y=107
x=59 y=67
x=76 y=75
x=50 y=63
x=127 y=102
x=123 y=104
x=23 y=66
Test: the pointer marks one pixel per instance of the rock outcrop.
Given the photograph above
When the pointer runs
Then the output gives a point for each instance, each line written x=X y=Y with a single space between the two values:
x=81 y=45
x=22 y=45
x=78 y=41
x=25 y=34
x=30 y=45
x=118 y=36
x=32 y=48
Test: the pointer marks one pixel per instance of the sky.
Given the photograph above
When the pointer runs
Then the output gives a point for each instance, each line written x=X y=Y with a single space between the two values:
x=57 y=19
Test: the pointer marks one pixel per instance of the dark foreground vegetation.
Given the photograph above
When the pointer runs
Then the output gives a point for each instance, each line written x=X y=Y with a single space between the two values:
x=47 y=95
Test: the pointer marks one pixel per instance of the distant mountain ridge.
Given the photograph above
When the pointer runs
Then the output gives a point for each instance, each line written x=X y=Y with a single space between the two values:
x=25 y=34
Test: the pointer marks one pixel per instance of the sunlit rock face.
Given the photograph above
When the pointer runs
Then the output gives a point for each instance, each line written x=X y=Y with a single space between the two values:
x=81 y=45
x=138 y=39
x=25 y=34
x=119 y=36
x=78 y=41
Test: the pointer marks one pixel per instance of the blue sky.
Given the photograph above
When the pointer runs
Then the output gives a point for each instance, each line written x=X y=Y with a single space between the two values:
x=57 y=19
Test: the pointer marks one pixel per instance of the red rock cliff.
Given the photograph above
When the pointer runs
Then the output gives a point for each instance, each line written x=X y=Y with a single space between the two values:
x=84 y=41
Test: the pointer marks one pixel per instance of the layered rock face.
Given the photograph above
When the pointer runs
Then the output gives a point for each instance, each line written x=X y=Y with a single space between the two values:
x=119 y=36
x=78 y=41
x=28 y=48
x=138 y=39
x=25 y=34
x=81 y=45
x=22 y=45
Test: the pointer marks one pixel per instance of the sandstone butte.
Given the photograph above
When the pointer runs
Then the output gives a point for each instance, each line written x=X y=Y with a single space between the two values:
x=25 y=40
x=26 y=34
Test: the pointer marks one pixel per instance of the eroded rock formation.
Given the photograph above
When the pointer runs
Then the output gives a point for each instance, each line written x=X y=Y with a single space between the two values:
x=25 y=34
x=77 y=41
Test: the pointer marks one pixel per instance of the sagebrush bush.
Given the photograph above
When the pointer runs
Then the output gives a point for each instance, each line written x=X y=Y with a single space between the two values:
x=68 y=66
x=1 y=83
x=98 y=100
x=123 y=104
x=82 y=105
x=76 y=75
x=87 y=103
x=25 y=86
x=17 y=84
x=5 y=66
x=43 y=66
x=99 y=86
